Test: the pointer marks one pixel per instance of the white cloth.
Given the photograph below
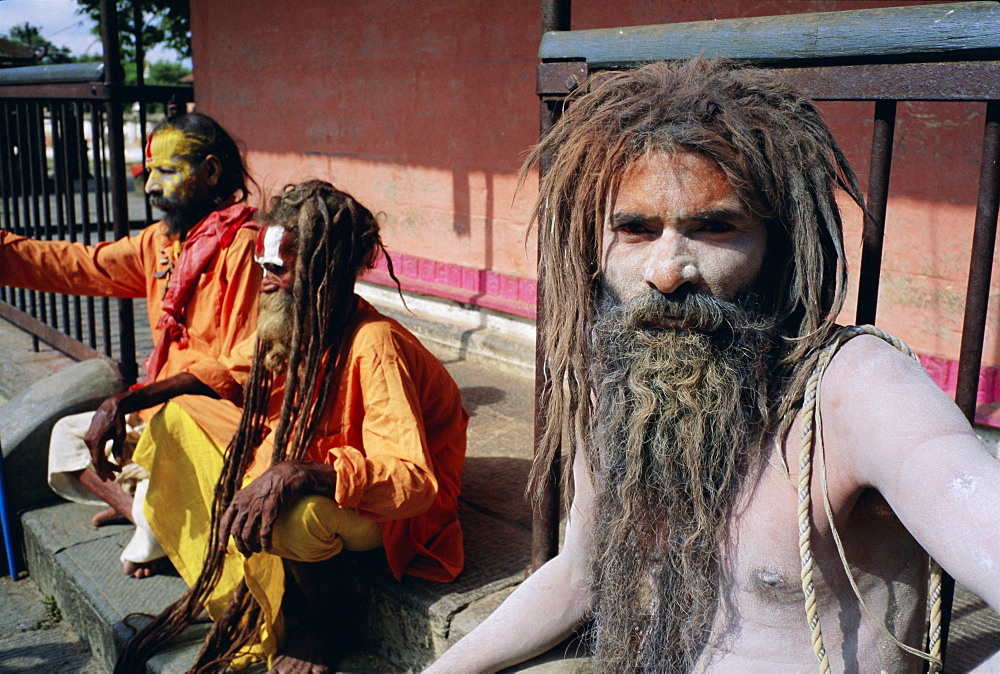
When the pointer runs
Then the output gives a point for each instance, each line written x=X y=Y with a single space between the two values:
x=143 y=547
x=68 y=454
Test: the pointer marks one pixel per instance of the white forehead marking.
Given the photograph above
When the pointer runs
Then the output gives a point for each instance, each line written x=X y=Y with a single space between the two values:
x=272 y=242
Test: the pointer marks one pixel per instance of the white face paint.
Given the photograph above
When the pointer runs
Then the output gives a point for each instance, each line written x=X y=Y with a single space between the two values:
x=986 y=561
x=267 y=247
x=963 y=485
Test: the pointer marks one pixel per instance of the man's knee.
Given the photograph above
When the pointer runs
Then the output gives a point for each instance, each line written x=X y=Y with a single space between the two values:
x=315 y=528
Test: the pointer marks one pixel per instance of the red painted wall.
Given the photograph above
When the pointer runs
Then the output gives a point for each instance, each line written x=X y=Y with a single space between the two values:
x=423 y=110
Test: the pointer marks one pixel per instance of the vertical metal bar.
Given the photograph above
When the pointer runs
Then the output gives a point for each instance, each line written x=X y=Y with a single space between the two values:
x=140 y=60
x=6 y=161
x=874 y=230
x=12 y=180
x=27 y=171
x=556 y=15
x=545 y=516
x=41 y=208
x=100 y=186
x=116 y=159
x=6 y=186
x=140 y=51
x=977 y=298
x=80 y=161
x=67 y=216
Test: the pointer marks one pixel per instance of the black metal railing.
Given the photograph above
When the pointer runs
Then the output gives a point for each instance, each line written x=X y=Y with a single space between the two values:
x=63 y=176
x=54 y=185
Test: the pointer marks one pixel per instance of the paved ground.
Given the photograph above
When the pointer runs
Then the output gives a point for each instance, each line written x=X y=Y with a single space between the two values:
x=33 y=638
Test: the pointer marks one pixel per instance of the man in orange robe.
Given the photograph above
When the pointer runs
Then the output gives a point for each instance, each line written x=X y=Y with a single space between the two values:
x=196 y=272
x=370 y=435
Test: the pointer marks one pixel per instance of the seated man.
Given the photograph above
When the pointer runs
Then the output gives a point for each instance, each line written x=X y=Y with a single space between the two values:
x=365 y=448
x=196 y=272
x=695 y=237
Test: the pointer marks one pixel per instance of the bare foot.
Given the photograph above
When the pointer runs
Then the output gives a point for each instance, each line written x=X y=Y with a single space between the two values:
x=303 y=651
x=109 y=516
x=146 y=569
x=287 y=664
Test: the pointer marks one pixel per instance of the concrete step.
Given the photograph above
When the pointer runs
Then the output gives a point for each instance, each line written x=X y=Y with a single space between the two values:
x=76 y=564
x=409 y=623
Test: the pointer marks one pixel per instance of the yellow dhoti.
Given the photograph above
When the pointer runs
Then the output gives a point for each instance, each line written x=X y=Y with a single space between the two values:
x=185 y=464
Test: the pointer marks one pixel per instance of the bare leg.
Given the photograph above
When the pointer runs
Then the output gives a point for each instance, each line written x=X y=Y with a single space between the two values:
x=119 y=512
x=110 y=493
x=108 y=516
x=317 y=605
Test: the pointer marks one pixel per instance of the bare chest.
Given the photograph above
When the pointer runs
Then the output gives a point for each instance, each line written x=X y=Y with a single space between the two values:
x=762 y=623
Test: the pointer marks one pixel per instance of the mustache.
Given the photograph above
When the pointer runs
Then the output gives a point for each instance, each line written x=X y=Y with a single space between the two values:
x=683 y=309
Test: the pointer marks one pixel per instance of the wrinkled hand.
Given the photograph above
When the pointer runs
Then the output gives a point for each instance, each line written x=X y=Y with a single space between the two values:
x=108 y=424
x=251 y=516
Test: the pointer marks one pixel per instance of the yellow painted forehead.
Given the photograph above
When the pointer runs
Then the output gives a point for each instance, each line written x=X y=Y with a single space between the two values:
x=171 y=143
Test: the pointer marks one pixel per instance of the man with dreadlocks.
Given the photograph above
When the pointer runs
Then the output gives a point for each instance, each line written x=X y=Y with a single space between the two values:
x=694 y=271
x=364 y=450
x=196 y=272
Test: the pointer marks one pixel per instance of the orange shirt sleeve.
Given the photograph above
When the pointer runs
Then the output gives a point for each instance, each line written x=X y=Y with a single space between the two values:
x=108 y=269
x=239 y=360
x=393 y=477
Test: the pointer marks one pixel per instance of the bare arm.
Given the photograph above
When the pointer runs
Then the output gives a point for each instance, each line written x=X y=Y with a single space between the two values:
x=905 y=438
x=109 y=419
x=546 y=607
x=250 y=518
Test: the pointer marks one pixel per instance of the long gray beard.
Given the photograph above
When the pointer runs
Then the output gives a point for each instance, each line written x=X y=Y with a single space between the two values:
x=679 y=422
x=275 y=323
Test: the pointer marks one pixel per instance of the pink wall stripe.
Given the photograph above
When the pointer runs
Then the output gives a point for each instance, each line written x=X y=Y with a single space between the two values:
x=478 y=287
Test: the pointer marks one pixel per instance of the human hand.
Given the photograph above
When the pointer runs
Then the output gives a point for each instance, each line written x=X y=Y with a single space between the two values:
x=108 y=423
x=250 y=517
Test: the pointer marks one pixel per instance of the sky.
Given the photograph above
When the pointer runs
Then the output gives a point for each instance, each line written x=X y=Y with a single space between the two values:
x=59 y=22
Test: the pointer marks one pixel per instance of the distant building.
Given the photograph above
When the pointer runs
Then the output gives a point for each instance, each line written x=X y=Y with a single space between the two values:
x=14 y=54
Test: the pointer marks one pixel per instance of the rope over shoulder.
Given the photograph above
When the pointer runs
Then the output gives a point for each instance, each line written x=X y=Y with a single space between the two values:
x=811 y=443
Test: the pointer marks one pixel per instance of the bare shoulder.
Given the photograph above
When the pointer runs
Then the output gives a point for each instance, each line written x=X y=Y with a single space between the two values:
x=868 y=376
x=880 y=407
x=867 y=359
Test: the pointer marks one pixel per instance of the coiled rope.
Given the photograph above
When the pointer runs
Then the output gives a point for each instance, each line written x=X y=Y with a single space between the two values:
x=811 y=437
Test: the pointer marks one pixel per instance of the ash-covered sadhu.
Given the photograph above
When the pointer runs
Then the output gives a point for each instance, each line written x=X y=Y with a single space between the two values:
x=352 y=439
x=694 y=270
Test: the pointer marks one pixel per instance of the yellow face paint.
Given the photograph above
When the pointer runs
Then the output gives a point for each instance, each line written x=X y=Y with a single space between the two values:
x=171 y=175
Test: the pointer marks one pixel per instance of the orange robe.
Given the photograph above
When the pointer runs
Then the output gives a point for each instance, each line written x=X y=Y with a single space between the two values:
x=220 y=315
x=394 y=431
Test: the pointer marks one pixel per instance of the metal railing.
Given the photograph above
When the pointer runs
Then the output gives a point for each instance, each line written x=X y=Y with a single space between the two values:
x=63 y=176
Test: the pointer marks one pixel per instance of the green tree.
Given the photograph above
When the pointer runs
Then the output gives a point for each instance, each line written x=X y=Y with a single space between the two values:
x=29 y=36
x=166 y=22
x=163 y=72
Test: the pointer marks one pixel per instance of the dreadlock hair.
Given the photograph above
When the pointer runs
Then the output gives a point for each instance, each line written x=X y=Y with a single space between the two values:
x=214 y=141
x=337 y=239
x=782 y=161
